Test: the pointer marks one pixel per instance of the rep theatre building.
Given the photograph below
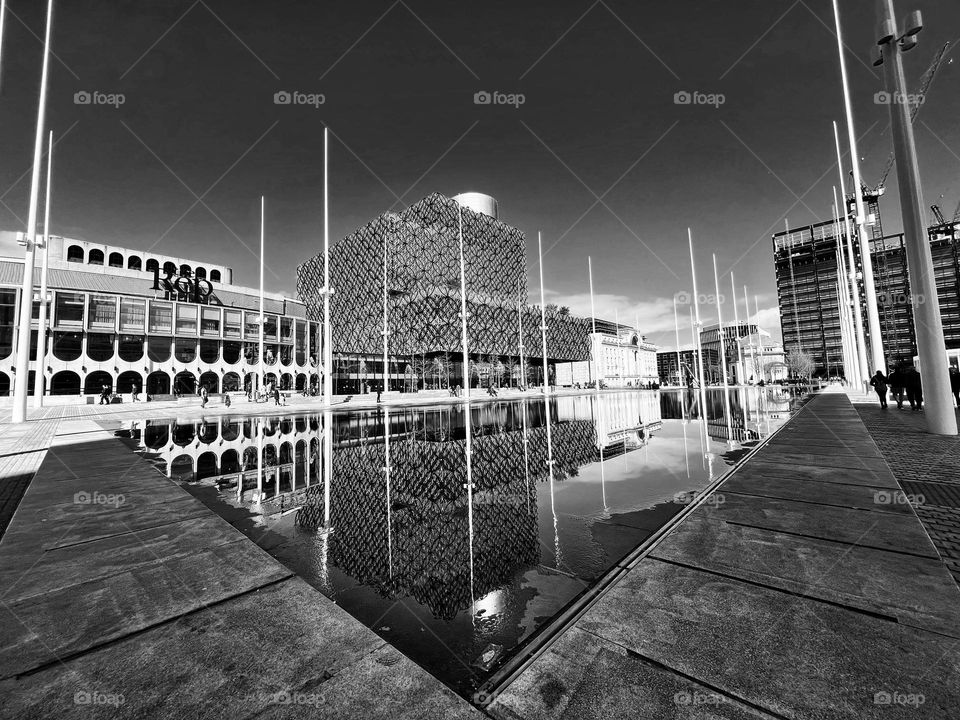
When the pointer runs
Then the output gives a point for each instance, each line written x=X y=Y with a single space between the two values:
x=158 y=324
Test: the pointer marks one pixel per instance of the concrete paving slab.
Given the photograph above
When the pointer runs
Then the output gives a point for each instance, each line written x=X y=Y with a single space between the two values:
x=585 y=676
x=862 y=578
x=886 y=531
x=63 y=567
x=240 y=659
x=761 y=467
x=863 y=497
x=792 y=656
x=46 y=628
x=815 y=456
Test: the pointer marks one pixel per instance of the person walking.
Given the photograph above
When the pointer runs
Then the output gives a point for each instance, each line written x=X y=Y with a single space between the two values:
x=879 y=383
x=134 y=392
x=895 y=380
x=203 y=396
x=955 y=384
x=913 y=387
x=105 y=395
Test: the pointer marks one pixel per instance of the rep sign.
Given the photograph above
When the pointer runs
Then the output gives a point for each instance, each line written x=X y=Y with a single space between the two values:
x=194 y=289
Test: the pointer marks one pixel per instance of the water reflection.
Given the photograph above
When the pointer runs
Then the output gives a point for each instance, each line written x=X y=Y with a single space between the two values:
x=481 y=522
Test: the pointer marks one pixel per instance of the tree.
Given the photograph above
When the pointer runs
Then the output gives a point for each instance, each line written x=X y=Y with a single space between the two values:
x=800 y=363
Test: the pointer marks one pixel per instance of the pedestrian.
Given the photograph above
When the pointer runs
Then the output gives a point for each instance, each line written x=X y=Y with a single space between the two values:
x=895 y=380
x=203 y=396
x=879 y=383
x=226 y=399
x=134 y=393
x=105 y=395
x=276 y=394
x=912 y=384
x=955 y=384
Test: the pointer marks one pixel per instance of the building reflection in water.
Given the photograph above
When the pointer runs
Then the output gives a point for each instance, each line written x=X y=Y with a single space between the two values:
x=469 y=510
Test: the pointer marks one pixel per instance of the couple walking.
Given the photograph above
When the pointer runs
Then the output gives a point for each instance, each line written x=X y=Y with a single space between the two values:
x=903 y=379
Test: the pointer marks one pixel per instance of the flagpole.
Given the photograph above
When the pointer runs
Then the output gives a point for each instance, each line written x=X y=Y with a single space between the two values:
x=593 y=328
x=860 y=335
x=263 y=210
x=41 y=363
x=543 y=323
x=736 y=320
x=3 y=14
x=19 y=410
x=327 y=350
x=463 y=308
x=753 y=355
x=386 y=329
x=676 y=327
x=756 y=306
x=696 y=307
x=866 y=262
x=523 y=376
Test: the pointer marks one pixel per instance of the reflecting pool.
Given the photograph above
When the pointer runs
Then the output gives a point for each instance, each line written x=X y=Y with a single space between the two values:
x=454 y=534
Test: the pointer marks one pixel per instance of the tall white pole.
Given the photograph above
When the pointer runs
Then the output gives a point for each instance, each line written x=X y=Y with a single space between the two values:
x=860 y=337
x=595 y=343
x=523 y=376
x=723 y=345
x=543 y=322
x=19 y=413
x=793 y=286
x=41 y=364
x=676 y=327
x=463 y=311
x=3 y=15
x=753 y=355
x=327 y=349
x=696 y=307
x=756 y=305
x=736 y=319
x=931 y=348
x=386 y=327
x=263 y=211
x=870 y=292
x=851 y=362
x=616 y=316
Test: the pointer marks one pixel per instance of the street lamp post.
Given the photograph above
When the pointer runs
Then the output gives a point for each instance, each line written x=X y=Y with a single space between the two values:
x=19 y=411
x=543 y=322
x=926 y=306
x=463 y=308
x=594 y=341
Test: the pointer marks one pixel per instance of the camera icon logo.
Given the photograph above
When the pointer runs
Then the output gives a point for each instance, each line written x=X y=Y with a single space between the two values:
x=682 y=297
x=282 y=97
x=882 y=698
x=682 y=98
x=82 y=498
x=881 y=98
x=883 y=497
x=482 y=98
x=82 y=98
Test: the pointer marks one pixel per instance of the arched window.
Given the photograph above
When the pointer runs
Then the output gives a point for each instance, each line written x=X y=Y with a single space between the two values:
x=128 y=381
x=94 y=382
x=186 y=350
x=158 y=348
x=209 y=351
x=99 y=346
x=169 y=268
x=214 y=276
x=75 y=254
x=200 y=272
x=158 y=382
x=65 y=382
x=95 y=257
x=67 y=346
x=152 y=265
x=116 y=260
x=185 y=270
x=231 y=382
x=131 y=348
x=211 y=381
x=134 y=263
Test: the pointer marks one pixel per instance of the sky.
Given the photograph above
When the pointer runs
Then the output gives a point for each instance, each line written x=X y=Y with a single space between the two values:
x=587 y=143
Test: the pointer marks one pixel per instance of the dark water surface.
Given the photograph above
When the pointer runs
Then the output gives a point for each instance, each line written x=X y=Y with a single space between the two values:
x=458 y=577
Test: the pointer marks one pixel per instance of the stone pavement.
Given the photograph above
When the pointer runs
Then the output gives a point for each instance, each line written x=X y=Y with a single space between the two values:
x=22 y=449
x=928 y=468
x=803 y=587
x=123 y=596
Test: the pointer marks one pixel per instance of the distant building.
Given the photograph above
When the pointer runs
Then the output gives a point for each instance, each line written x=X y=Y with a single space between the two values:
x=710 y=342
x=806 y=269
x=763 y=359
x=687 y=372
x=620 y=356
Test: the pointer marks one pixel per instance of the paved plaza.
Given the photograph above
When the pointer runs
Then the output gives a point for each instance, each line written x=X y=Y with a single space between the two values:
x=804 y=586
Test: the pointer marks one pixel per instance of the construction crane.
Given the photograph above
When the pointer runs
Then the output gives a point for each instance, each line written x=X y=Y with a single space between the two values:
x=937 y=214
x=925 y=80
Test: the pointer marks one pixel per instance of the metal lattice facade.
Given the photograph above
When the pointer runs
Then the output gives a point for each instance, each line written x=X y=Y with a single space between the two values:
x=423 y=286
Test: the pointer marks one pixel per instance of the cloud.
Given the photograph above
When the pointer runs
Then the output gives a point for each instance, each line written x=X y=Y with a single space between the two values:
x=654 y=316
